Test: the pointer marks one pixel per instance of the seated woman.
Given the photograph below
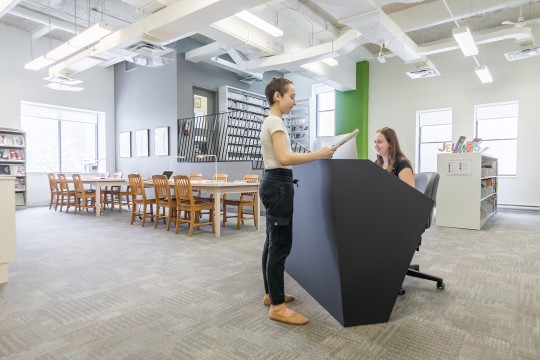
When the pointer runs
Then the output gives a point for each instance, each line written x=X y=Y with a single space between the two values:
x=390 y=157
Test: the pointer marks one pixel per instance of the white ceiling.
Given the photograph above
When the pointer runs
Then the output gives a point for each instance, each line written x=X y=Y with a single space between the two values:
x=347 y=30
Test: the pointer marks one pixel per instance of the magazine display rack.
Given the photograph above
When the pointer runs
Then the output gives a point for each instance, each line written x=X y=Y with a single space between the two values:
x=298 y=123
x=468 y=190
x=13 y=161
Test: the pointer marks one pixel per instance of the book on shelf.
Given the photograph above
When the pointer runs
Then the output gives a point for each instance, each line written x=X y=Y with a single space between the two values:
x=5 y=170
x=18 y=140
x=4 y=154
x=5 y=139
x=16 y=154
x=18 y=170
x=20 y=184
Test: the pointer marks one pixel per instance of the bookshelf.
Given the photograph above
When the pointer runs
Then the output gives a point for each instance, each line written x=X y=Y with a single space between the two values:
x=298 y=123
x=13 y=161
x=7 y=223
x=246 y=113
x=468 y=190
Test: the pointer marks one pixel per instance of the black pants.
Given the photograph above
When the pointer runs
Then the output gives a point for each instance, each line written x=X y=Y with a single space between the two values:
x=277 y=194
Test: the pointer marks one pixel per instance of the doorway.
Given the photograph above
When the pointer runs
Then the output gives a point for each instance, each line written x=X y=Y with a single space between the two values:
x=204 y=102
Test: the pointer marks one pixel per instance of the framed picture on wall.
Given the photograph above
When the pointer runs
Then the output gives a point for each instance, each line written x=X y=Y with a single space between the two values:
x=161 y=141
x=124 y=141
x=141 y=141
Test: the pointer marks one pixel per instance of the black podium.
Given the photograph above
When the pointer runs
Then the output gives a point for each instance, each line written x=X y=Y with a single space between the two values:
x=355 y=230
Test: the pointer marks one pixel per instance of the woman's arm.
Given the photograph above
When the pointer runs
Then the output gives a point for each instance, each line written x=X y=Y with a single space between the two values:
x=407 y=175
x=286 y=158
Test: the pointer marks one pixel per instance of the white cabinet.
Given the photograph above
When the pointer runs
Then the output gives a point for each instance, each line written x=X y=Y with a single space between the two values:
x=12 y=161
x=7 y=224
x=467 y=193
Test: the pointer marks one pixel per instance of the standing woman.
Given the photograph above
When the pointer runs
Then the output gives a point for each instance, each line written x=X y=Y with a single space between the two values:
x=390 y=157
x=277 y=191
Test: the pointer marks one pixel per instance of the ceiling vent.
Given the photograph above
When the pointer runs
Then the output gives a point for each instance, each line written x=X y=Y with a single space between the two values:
x=522 y=54
x=423 y=73
x=151 y=55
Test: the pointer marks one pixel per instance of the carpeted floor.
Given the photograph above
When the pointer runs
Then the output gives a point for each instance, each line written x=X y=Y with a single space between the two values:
x=99 y=288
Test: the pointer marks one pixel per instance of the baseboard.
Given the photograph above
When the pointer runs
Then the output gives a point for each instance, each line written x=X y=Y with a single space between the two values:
x=518 y=207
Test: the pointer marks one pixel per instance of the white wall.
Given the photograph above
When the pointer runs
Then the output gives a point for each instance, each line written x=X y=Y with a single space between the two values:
x=19 y=84
x=395 y=98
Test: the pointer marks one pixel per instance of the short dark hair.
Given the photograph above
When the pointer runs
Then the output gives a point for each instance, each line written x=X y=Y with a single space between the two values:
x=276 y=84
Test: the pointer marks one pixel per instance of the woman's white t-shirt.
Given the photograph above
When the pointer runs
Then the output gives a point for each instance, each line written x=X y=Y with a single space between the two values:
x=270 y=125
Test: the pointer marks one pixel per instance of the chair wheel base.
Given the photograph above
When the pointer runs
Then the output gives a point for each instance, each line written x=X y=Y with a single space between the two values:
x=402 y=292
x=440 y=285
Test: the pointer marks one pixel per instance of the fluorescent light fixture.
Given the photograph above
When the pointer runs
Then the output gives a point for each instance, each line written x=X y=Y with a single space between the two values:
x=465 y=41
x=38 y=63
x=330 y=62
x=76 y=43
x=259 y=23
x=483 y=74
x=62 y=87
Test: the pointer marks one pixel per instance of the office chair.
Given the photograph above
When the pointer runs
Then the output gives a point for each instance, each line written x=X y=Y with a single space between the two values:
x=426 y=183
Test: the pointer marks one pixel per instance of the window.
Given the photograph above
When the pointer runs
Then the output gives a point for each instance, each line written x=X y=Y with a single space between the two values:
x=496 y=125
x=60 y=139
x=326 y=104
x=434 y=127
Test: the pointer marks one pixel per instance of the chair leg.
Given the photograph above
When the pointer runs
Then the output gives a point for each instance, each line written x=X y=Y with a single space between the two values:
x=144 y=214
x=414 y=272
x=239 y=216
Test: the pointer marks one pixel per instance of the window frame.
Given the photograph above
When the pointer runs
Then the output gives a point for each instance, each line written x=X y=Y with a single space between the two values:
x=516 y=139
x=419 y=142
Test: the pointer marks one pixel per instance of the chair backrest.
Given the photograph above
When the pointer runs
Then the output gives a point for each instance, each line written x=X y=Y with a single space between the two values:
x=104 y=175
x=221 y=177
x=117 y=175
x=137 y=187
x=77 y=183
x=162 y=189
x=62 y=181
x=427 y=183
x=183 y=190
x=53 y=184
x=250 y=178
x=195 y=176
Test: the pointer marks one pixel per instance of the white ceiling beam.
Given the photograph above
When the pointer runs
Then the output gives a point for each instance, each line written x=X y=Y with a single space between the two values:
x=435 y=13
x=44 y=19
x=339 y=77
x=341 y=46
x=44 y=30
x=7 y=5
x=206 y=52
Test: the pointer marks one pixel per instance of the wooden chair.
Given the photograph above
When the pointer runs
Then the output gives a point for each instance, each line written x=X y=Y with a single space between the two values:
x=188 y=203
x=55 y=191
x=84 y=198
x=138 y=197
x=196 y=177
x=164 y=200
x=66 y=194
x=247 y=199
x=118 y=196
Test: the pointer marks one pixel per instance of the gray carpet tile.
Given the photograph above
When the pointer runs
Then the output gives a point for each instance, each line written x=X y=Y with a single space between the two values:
x=100 y=288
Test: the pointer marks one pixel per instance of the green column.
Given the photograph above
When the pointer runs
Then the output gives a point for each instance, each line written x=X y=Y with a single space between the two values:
x=352 y=109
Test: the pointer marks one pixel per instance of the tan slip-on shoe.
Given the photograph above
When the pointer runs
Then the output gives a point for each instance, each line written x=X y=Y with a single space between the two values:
x=294 y=318
x=288 y=299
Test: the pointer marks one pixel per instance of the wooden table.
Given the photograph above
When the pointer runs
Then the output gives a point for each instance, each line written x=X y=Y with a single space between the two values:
x=98 y=182
x=217 y=188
